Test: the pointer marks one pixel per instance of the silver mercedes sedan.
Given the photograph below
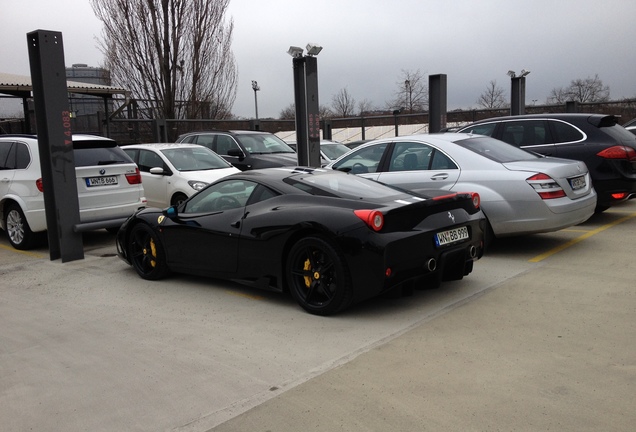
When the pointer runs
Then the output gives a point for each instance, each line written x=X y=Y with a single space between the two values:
x=521 y=192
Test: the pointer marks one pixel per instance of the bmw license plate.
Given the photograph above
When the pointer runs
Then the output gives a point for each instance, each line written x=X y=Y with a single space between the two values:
x=577 y=182
x=101 y=181
x=451 y=236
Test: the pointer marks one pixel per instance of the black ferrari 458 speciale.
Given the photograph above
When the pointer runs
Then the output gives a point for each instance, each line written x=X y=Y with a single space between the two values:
x=329 y=238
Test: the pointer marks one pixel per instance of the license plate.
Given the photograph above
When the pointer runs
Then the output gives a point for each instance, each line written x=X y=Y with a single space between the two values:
x=451 y=236
x=101 y=181
x=577 y=182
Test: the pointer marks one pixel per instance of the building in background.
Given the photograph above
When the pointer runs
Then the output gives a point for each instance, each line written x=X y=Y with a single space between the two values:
x=81 y=105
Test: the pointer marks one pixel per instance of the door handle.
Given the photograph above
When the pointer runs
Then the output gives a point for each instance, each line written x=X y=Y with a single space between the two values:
x=442 y=176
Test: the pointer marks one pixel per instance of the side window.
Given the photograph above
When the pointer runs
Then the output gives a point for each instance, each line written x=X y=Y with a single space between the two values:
x=224 y=143
x=566 y=133
x=482 y=129
x=23 y=157
x=442 y=162
x=7 y=156
x=410 y=157
x=204 y=140
x=226 y=195
x=261 y=193
x=525 y=133
x=148 y=159
x=364 y=160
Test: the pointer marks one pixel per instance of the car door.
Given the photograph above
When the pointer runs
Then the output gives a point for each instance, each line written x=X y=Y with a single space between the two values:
x=417 y=165
x=155 y=185
x=204 y=237
x=7 y=166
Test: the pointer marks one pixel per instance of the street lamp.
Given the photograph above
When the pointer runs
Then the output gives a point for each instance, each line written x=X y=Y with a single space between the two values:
x=256 y=88
x=409 y=93
x=518 y=92
x=306 y=102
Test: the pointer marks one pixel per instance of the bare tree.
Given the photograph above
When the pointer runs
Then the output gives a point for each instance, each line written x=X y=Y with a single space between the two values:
x=174 y=54
x=288 y=113
x=365 y=106
x=590 y=89
x=411 y=93
x=343 y=103
x=492 y=97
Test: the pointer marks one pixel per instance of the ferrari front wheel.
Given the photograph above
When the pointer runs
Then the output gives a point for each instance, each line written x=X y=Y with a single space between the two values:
x=317 y=277
x=146 y=253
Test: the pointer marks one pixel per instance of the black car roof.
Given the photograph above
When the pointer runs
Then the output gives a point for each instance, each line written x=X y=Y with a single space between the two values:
x=594 y=119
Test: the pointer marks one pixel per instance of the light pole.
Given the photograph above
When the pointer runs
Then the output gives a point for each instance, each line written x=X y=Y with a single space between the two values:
x=256 y=88
x=518 y=92
x=409 y=94
x=306 y=101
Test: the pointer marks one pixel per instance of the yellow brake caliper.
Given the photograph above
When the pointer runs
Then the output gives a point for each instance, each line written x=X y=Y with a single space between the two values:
x=153 y=252
x=306 y=268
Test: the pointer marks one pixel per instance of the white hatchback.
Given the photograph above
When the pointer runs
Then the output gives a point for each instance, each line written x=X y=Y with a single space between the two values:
x=108 y=185
x=173 y=172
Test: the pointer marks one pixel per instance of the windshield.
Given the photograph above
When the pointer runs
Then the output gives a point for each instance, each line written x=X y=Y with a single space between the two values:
x=334 y=151
x=195 y=159
x=264 y=143
x=496 y=150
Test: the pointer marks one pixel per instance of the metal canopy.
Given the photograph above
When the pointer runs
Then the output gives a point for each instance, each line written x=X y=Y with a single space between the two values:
x=21 y=86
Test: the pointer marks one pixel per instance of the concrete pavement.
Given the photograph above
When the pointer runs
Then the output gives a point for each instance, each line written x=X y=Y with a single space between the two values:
x=547 y=346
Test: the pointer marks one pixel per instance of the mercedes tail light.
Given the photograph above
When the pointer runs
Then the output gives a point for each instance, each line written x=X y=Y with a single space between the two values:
x=546 y=186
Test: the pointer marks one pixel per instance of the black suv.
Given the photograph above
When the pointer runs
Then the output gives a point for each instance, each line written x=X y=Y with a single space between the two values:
x=245 y=149
x=608 y=149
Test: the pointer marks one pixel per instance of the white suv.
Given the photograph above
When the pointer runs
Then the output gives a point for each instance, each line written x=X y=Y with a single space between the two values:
x=108 y=185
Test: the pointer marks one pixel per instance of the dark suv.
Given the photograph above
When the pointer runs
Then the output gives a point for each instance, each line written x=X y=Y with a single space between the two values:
x=245 y=149
x=608 y=149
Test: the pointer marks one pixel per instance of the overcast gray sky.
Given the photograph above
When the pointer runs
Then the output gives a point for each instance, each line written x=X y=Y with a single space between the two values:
x=367 y=44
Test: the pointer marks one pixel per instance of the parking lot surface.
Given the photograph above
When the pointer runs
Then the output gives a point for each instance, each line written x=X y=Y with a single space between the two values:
x=538 y=337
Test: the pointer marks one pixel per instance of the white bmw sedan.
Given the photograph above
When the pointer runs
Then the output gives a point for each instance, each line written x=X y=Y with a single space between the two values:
x=521 y=192
x=173 y=172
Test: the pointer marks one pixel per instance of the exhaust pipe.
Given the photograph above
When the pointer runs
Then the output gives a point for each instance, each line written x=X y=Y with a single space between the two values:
x=431 y=265
x=472 y=251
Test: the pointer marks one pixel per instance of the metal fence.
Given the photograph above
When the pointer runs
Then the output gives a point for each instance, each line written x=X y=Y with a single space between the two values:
x=128 y=131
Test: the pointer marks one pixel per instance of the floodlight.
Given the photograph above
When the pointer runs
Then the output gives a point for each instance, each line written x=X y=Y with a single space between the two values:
x=295 y=51
x=524 y=72
x=313 y=49
x=512 y=74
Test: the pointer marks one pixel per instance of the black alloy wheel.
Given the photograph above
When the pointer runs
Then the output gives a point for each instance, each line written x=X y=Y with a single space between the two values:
x=146 y=253
x=318 y=278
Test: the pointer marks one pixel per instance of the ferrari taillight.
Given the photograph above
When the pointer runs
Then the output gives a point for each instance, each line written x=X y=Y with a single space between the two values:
x=618 y=152
x=134 y=178
x=373 y=218
x=476 y=199
x=545 y=186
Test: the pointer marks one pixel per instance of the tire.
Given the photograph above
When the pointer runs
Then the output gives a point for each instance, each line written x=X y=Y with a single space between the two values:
x=146 y=253
x=318 y=278
x=601 y=208
x=178 y=198
x=489 y=236
x=20 y=235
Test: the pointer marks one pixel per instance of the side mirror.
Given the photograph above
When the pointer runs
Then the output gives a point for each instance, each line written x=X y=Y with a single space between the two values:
x=235 y=152
x=171 y=212
x=157 y=171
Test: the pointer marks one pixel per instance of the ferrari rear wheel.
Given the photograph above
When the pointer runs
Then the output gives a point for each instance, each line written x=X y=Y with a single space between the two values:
x=317 y=277
x=146 y=253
